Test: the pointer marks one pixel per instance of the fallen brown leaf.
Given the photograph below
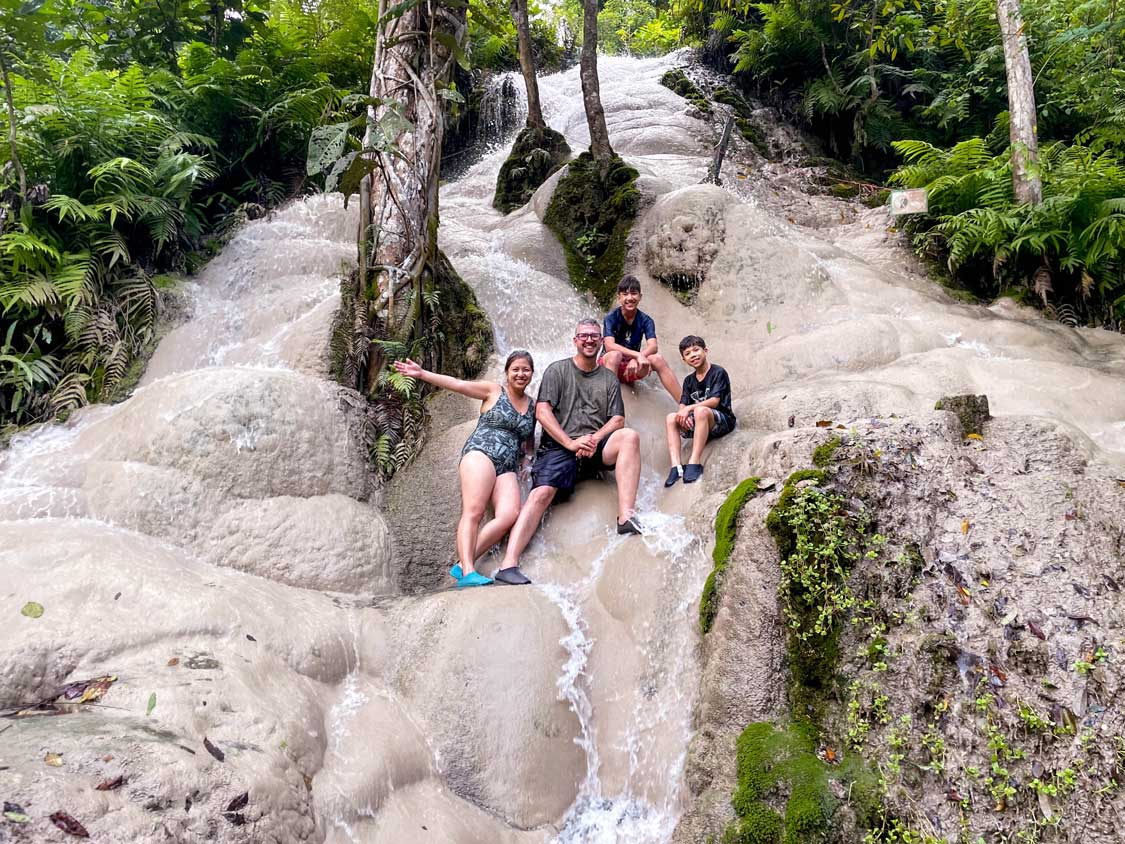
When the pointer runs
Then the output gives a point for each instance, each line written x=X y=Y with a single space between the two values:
x=69 y=825
x=111 y=785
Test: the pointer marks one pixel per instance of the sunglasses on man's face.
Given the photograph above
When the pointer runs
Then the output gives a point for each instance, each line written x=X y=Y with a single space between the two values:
x=588 y=338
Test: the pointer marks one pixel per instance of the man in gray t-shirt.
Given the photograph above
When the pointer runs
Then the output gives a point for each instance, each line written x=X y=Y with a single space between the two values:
x=579 y=406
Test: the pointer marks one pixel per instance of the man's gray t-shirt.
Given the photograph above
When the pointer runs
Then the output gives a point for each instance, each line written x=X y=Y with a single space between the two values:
x=582 y=401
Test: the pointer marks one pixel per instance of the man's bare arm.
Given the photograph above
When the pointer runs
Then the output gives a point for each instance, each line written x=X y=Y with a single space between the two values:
x=546 y=416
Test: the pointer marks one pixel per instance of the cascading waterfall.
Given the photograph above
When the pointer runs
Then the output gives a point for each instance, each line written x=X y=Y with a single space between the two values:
x=226 y=509
x=635 y=753
x=503 y=108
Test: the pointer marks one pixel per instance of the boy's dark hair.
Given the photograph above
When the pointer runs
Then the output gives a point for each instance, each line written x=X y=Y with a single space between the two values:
x=689 y=341
x=629 y=284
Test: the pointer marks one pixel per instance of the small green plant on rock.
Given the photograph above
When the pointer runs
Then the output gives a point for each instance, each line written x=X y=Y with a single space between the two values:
x=818 y=540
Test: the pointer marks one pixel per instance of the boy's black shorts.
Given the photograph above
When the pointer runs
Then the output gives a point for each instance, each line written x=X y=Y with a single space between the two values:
x=562 y=469
x=721 y=425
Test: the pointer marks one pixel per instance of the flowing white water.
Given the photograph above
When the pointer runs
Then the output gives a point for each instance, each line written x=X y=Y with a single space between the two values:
x=630 y=677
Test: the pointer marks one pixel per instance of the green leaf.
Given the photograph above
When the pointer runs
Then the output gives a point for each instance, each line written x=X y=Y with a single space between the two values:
x=151 y=704
x=32 y=609
x=326 y=144
x=353 y=175
x=14 y=813
x=397 y=11
x=451 y=94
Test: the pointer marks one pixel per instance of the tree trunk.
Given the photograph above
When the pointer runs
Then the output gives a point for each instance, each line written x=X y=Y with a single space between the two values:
x=21 y=176
x=1022 y=130
x=591 y=90
x=527 y=66
x=414 y=56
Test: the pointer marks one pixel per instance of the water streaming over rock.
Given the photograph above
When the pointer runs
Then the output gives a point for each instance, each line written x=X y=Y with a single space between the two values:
x=215 y=540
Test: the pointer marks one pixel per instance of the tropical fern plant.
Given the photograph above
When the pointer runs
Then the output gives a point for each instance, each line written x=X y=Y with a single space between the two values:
x=1066 y=250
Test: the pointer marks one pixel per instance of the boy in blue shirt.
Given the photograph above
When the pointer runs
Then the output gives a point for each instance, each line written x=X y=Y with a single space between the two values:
x=704 y=413
x=630 y=340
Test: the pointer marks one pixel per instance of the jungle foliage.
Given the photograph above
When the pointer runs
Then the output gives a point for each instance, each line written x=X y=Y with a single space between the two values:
x=920 y=85
x=137 y=137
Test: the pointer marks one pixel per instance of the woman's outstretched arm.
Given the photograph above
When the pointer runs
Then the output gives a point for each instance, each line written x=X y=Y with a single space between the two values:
x=482 y=390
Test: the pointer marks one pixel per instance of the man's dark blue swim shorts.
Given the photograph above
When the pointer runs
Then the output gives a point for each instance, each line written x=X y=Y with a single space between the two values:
x=562 y=469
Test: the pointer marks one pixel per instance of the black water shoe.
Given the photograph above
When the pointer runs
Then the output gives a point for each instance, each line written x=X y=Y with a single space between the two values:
x=511 y=576
x=673 y=476
x=629 y=526
x=693 y=472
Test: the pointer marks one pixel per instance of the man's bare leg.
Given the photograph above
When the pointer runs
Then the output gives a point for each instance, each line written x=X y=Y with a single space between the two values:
x=527 y=523
x=622 y=452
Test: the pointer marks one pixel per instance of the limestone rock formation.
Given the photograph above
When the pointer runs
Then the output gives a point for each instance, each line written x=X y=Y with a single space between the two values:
x=683 y=233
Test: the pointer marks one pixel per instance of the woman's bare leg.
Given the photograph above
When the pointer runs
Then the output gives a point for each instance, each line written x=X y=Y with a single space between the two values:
x=478 y=477
x=505 y=510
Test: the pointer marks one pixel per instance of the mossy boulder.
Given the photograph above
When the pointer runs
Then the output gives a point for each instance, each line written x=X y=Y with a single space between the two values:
x=536 y=154
x=463 y=346
x=676 y=80
x=784 y=793
x=726 y=531
x=591 y=215
x=878 y=199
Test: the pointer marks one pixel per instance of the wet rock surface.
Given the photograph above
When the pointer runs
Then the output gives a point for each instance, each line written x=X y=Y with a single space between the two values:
x=982 y=658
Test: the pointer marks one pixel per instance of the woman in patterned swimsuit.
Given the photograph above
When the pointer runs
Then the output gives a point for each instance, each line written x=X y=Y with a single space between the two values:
x=490 y=458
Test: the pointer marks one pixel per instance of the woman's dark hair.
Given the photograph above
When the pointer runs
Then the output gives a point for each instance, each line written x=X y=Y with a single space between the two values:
x=519 y=354
x=691 y=340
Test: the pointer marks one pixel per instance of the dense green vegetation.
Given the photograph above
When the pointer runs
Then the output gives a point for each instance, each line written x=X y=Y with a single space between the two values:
x=140 y=138
x=140 y=133
x=922 y=83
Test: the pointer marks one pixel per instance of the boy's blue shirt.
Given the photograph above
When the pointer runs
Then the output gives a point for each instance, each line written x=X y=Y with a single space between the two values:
x=629 y=336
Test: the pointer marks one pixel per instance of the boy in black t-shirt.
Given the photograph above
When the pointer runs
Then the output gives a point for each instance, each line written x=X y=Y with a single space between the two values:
x=630 y=340
x=704 y=413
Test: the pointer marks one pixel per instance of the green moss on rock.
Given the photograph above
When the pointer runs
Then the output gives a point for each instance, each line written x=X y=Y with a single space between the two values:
x=972 y=411
x=822 y=454
x=779 y=766
x=843 y=190
x=591 y=217
x=466 y=341
x=536 y=154
x=878 y=199
x=676 y=80
x=726 y=531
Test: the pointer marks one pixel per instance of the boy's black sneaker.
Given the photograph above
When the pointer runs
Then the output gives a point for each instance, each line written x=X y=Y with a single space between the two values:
x=693 y=472
x=629 y=526
x=673 y=476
